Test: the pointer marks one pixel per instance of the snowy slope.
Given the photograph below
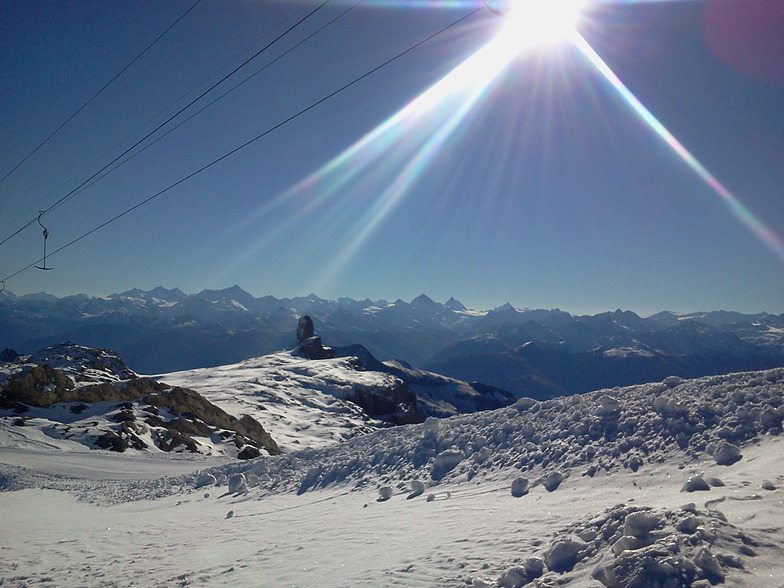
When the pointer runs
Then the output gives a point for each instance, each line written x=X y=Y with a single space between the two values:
x=307 y=402
x=301 y=402
x=669 y=484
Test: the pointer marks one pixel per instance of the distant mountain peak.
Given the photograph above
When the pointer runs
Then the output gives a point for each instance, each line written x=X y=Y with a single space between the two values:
x=454 y=304
x=173 y=295
x=133 y=293
x=38 y=297
x=232 y=292
x=423 y=301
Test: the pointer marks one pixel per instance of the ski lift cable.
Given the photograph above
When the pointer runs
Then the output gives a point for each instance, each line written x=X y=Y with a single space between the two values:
x=118 y=144
x=250 y=141
x=206 y=106
x=80 y=187
x=99 y=92
x=184 y=108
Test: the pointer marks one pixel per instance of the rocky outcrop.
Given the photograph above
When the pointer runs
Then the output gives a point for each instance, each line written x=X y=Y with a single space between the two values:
x=187 y=414
x=305 y=328
x=394 y=403
x=42 y=385
x=193 y=405
x=313 y=348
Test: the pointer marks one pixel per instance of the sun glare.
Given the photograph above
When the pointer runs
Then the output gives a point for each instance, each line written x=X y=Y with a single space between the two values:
x=538 y=23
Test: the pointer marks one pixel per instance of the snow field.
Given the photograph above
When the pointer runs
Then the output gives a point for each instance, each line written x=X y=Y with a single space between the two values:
x=469 y=533
x=314 y=517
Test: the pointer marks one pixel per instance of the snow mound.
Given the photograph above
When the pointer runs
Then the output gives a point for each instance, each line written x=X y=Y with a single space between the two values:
x=573 y=435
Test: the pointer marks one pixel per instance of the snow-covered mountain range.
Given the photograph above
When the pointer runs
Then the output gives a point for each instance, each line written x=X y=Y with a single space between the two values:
x=541 y=353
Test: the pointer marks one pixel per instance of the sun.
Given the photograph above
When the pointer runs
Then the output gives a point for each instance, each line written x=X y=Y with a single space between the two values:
x=538 y=23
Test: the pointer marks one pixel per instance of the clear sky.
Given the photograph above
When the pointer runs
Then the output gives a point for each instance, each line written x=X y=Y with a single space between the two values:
x=531 y=177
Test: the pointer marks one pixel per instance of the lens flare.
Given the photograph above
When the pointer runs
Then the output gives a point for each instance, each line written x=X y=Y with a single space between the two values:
x=395 y=154
x=736 y=207
x=539 y=23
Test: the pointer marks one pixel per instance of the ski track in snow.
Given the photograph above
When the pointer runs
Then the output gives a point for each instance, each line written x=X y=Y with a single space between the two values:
x=315 y=518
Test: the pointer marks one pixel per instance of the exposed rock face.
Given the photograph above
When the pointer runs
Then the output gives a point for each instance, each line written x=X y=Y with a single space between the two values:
x=42 y=385
x=395 y=403
x=313 y=348
x=304 y=328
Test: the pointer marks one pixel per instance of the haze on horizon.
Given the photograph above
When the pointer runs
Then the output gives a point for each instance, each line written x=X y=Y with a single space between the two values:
x=543 y=188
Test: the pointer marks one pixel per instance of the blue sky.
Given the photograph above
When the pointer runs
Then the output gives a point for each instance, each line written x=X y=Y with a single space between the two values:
x=530 y=179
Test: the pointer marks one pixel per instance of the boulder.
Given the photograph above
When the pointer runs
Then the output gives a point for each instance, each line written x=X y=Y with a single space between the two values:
x=695 y=484
x=552 y=481
x=727 y=454
x=249 y=452
x=519 y=487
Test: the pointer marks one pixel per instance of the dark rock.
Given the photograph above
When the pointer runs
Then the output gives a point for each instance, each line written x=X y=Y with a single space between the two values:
x=123 y=416
x=78 y=408
x=305 y=328
x=190 y=427
x=251 y=428
x=169 y=440
x=130 y=431
x=727 y=454
x=396 y=404
x=193 y=405
x=695 y=484
x=249 y=452
x=112 y=441
x=519 y=487
x=8 y=355
x=41 y=386
x=312 y=348
x=552 y=481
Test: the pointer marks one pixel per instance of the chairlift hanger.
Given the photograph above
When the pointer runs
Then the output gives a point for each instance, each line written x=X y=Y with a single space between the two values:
x=46 y=236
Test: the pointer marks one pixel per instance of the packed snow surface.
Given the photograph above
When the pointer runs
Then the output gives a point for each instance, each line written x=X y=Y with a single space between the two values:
x=669 y=484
